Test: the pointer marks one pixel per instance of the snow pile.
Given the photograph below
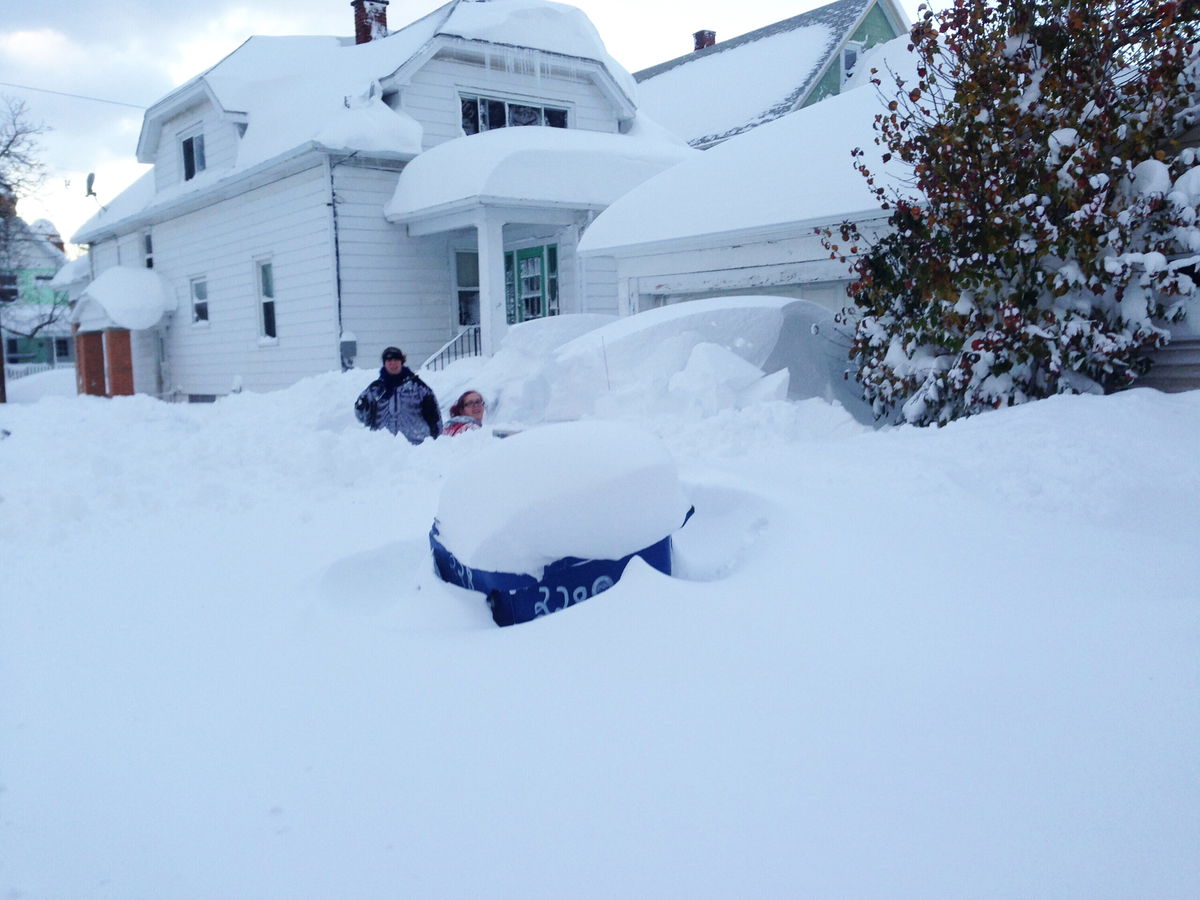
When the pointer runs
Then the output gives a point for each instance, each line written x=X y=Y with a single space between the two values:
x=228 y=670
x=682 y=361
x=526 y=502
x=32 y=388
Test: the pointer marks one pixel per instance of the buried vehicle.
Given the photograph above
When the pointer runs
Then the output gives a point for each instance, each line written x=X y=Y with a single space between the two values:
x=551 y=516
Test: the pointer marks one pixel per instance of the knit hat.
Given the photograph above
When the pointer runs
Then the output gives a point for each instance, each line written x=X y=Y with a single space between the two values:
x=392 y=353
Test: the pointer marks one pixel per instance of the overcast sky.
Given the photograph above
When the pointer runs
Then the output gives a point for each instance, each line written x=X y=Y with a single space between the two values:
x=135 y=51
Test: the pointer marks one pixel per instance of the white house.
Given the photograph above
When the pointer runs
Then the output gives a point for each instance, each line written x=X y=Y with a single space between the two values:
x=256 y=251
x=743 y=217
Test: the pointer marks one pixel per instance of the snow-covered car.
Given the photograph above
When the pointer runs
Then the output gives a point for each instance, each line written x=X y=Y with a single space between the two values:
x=552 y=516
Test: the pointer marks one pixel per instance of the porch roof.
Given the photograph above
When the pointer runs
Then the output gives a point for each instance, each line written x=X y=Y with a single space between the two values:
x=130 y=298
x=540 y=171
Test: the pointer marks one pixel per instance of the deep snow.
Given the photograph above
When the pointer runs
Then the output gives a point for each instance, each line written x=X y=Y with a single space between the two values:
x=957 y=662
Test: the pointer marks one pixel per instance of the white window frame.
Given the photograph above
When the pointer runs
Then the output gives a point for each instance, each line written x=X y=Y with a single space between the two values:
x=196 y=287
x=267 y=293
x=191 y=151
x=852 y=54
x=480 y=98
x=459 y=289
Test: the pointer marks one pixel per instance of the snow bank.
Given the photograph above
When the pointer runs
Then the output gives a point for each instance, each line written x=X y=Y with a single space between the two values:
x=32 y=388
x=687 y=360
x=593 y=490
x=939 y=650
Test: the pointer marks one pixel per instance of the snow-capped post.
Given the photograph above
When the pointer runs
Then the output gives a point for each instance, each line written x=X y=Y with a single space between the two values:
x=370 y=20
x=1049 y=230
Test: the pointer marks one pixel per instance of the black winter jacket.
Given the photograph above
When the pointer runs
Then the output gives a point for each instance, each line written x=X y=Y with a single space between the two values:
x=403 y=404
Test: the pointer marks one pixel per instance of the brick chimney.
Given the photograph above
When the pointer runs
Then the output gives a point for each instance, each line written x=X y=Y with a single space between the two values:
x=704 y=39
x=370 y=20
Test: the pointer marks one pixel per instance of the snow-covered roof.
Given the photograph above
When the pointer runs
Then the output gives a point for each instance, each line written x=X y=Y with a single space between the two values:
x=131 y=298
x=76 y=271
x=530 y=166
x=31 y=246
x=792 y=172
x=738 y=84
x=295 y=92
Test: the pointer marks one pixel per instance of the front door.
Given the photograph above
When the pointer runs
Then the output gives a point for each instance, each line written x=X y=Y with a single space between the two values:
x=531 y=283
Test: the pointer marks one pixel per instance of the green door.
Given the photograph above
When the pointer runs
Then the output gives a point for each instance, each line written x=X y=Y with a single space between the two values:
x=531 y=283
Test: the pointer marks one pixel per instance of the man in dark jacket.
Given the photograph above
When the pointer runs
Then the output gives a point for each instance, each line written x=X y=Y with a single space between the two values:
x=399 y=401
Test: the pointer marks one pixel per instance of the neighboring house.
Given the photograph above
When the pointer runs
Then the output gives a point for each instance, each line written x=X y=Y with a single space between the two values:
x=731 y=230
x=33 y=320
x=256 y=251
x=728 y=88
x=742 y=217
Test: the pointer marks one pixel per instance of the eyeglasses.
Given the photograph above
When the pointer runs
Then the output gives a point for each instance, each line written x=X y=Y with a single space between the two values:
x=474 y=403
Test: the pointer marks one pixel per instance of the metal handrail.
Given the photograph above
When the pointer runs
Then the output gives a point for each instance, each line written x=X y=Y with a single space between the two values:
x=465 y=344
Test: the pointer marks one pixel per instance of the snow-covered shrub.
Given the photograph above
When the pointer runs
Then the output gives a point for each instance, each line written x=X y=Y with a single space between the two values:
x=1056 y=231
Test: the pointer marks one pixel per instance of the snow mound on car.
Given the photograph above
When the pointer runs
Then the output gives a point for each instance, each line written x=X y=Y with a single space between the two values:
x=593 y=490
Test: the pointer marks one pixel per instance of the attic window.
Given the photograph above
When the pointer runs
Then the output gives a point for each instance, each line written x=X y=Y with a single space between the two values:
x=486 y=114
x=850 y=55
x=193 y=156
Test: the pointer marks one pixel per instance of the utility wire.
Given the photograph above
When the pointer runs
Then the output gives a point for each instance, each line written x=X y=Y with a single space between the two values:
x=26 y=87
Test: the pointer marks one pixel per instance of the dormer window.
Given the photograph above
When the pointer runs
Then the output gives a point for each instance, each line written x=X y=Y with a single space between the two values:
x=193 y=156
x=488 y=113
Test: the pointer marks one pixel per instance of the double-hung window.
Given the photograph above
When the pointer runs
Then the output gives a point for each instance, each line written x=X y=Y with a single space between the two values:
x=199 y=290
x=193 y=156
x=466 y=286
x=266 y=299
x=488 y=113
x=148 y=250
x=9 y=289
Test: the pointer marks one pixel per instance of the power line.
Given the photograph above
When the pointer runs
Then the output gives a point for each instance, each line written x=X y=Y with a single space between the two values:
x=26 y=87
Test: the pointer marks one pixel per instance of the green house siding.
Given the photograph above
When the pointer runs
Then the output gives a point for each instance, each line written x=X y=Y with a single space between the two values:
x=830 y=84
x=35 y=286
x=875 y=28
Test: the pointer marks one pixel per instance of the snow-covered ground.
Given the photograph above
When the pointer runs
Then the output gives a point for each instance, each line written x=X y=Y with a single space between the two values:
x=958 y=662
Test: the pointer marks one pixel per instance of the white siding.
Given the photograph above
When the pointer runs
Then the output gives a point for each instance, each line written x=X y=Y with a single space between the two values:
x=287 y=222
x=396 y=290
x=795 y=266
x=432 y=96
x=104 y=255
x=598 y=280
x=143 y=346
x=220 y=144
